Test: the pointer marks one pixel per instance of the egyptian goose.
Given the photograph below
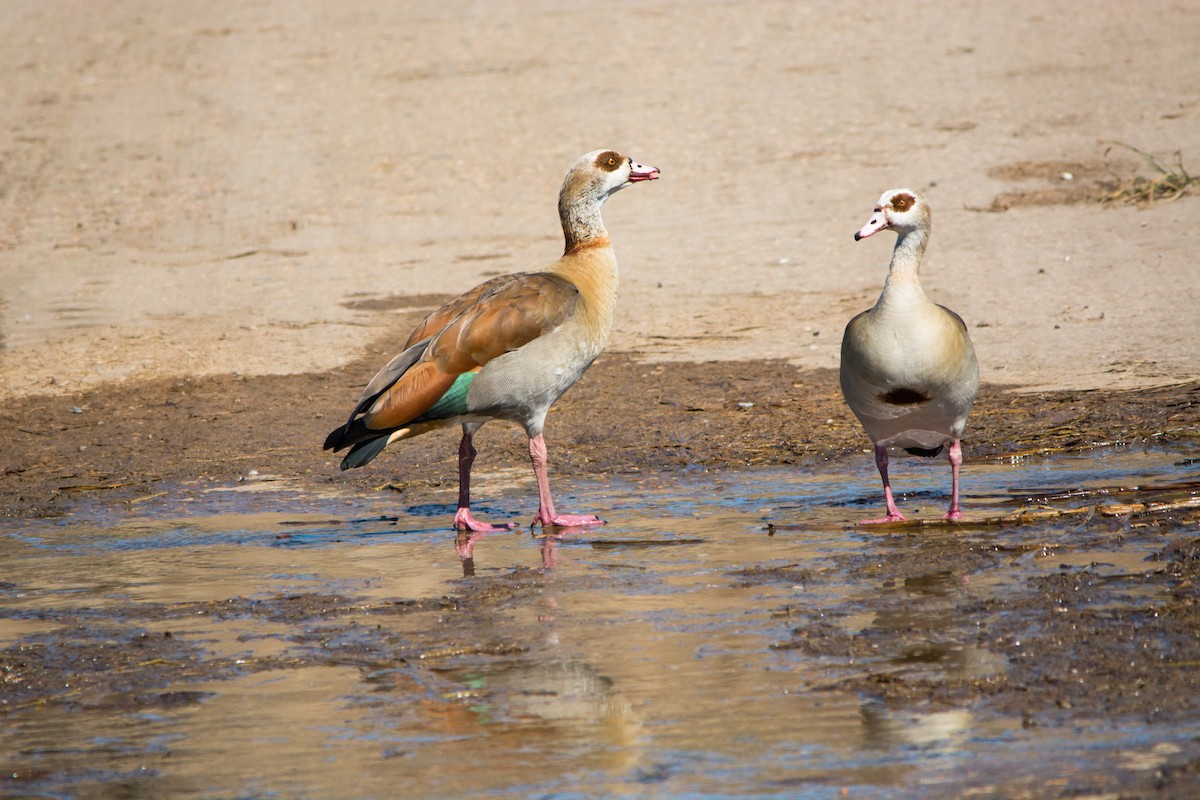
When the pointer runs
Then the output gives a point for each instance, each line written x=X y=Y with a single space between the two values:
x=908 y=368
x=506 y=349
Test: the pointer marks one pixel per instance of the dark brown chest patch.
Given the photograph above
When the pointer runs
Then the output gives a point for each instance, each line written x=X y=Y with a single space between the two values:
x=904 y=397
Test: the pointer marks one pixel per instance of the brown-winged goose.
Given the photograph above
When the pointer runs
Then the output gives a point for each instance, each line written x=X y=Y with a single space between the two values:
x=506 y=349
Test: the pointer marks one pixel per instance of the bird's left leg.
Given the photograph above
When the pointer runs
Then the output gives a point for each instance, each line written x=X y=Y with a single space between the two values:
x=546 y=515
x=955 y=455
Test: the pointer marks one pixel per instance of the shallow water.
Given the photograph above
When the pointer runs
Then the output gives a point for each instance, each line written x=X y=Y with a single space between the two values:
x=645 y=658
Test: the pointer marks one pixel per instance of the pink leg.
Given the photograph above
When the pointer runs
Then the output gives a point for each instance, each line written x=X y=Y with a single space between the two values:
x=955 y=456
x=545 y=515
x=463 y=520
x=893 y=513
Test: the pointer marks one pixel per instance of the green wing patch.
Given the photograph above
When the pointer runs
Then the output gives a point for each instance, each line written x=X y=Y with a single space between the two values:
x=453 y=402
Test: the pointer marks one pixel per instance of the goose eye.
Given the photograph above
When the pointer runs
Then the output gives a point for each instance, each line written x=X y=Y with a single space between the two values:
x=903 y=202
x=609 y=161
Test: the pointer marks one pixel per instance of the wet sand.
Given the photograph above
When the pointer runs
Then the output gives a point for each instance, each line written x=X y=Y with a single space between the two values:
x=130 y=450
x=218 y=189
x=727 y=611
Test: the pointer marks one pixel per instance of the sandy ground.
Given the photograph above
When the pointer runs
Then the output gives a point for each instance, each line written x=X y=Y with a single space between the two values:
x=204 y=189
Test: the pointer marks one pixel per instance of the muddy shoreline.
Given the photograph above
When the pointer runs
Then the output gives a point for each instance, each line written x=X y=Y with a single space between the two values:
x=125 y=441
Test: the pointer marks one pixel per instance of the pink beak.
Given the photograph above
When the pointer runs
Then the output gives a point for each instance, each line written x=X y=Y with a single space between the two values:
x=878 y=222
x=641 y=172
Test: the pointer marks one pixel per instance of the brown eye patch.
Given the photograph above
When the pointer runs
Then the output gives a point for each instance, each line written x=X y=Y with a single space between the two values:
x=903 y=202
x=609 y=161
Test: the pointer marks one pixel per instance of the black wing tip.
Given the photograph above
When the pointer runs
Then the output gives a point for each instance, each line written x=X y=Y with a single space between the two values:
x=335 y=440
x=341 y=437
x=364 y=451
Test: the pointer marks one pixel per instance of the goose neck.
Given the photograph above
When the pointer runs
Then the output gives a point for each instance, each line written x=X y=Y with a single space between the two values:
x=906 y=255
x=581 y=222
x=903 y=284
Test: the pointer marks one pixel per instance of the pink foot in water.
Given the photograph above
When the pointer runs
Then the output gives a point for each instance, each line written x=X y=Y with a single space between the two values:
x=953 y=514
x=882 y=520
x=548 y=520
x=463 y=521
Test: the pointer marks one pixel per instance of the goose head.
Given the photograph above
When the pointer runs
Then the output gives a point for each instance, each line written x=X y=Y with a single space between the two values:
x=901 y=210
x=600 y=173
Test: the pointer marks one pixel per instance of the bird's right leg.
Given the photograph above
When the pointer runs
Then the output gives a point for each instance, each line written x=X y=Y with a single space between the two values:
x=893 y=513
x=463 y=520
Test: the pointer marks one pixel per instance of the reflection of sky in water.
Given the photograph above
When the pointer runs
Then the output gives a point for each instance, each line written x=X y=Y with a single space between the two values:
x=635 y=668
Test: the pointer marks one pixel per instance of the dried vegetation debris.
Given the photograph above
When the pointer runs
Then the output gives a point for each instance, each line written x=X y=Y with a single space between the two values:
x=1109 y=181
x=1169 y=181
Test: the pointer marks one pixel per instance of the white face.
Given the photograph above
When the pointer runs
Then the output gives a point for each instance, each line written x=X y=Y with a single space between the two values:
x=896 y=209
x=617 y=170
x=600 y=173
